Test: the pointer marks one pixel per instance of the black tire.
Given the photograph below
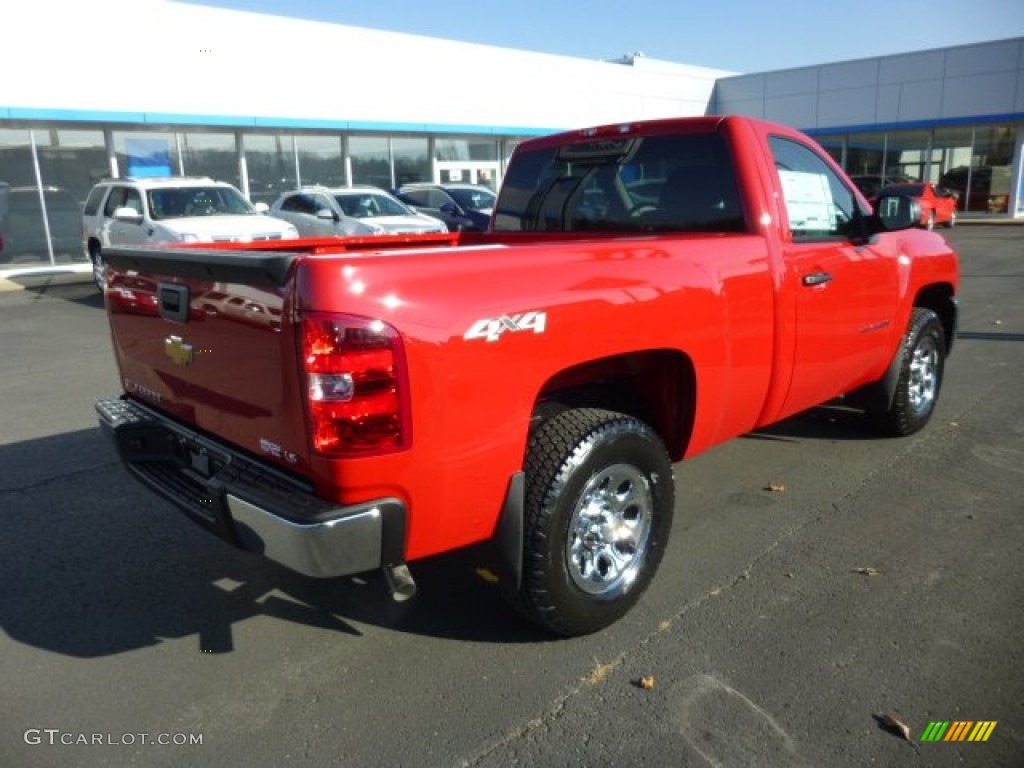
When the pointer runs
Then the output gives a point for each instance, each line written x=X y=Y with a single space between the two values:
x=921 y=368
x=598 y=511
x=98 y=267
x=952 y=220
x=930 y=224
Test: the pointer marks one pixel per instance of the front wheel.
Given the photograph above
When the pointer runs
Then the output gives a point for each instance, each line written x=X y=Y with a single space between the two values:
x=930 y=223
x=599 y=502
x=920 y=378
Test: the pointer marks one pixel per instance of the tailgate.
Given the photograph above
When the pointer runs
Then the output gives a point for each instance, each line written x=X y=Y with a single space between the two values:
x=204 y=337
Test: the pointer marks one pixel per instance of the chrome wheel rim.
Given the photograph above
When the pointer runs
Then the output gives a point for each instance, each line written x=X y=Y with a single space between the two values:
x=923 y=381
x=609 y=531
x=97 y=270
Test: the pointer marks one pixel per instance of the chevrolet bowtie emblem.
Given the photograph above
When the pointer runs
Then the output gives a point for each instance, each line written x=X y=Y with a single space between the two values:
x=179 y=350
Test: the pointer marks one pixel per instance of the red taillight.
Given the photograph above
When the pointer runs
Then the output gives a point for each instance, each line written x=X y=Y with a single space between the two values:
x=355 y=385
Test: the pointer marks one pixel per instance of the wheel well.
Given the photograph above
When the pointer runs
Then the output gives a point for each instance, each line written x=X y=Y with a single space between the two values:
x=656 y=386
x=939 y=299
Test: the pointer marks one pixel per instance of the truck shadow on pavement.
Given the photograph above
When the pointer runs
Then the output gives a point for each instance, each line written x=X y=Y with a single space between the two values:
x=94 y=565
x=831 y=422
x=79 y=292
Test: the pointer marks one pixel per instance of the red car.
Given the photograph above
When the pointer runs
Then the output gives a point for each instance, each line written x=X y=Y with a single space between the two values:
x=938 y=204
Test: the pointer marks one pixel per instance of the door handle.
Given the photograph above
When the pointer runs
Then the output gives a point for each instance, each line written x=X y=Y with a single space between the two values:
x=817 y=278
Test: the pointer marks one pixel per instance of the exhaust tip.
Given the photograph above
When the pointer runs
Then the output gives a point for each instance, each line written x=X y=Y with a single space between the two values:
x=401 y=585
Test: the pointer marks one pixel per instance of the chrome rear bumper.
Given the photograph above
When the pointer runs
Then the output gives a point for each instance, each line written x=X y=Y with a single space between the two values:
x=250 y=504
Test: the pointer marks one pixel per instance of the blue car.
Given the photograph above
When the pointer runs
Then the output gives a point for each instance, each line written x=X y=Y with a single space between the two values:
x=463 y=207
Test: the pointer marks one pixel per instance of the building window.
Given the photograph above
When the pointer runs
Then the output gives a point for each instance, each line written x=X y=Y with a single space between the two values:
x=907 y=155
x=466 y=149
x=991 y=167
x=210 y=154
x=834 y=145
x=145 y=154
x=16 y=158
x=270 y=165
x=320 y=160
x=865 y=154
x=371 y=160
x=412 y=160
x=951 y=155
x=44 y=226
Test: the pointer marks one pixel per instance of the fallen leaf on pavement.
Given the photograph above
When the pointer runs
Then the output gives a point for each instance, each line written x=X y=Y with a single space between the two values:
x=894 y=725
x=487 y=575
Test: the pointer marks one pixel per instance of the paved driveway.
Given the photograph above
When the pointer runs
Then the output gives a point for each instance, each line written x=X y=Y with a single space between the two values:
x=886 y=578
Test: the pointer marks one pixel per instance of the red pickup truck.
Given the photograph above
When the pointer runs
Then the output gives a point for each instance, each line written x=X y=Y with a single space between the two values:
x=645 y=291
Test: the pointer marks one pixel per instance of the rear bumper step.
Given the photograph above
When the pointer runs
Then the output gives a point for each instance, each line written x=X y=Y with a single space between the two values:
x=250 y=504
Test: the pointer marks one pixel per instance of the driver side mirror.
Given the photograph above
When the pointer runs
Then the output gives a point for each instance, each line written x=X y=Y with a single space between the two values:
x=127 y=214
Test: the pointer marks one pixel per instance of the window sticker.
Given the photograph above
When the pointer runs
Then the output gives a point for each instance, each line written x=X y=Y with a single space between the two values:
x=808 y=201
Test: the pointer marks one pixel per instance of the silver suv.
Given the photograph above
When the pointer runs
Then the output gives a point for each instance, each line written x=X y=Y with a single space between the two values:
x=172 y=209
x=320 y=211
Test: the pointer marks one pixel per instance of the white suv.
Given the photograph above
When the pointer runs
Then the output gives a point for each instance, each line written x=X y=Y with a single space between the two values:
x=172 y=209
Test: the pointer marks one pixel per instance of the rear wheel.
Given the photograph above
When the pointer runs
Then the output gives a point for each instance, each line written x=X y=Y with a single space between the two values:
x=920 y=378
x=952 y=220
x=98 y=267
x=599 y=501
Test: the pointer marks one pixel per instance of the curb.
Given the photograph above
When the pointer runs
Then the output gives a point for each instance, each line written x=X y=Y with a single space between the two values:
x=23 y=280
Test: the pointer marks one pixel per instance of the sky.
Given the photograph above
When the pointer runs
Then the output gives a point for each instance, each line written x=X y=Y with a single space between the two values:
x=734 y=35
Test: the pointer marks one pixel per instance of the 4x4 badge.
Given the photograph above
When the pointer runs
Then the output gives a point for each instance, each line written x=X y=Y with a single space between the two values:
x=491 y=328
x=179 y=350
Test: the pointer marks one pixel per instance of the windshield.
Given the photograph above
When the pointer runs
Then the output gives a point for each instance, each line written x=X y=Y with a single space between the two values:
x=681 y=183
x=473 y=199
x=179 y=202
x=367 y=205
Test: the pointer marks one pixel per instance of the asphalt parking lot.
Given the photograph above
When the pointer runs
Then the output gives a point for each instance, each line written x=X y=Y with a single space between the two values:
x=879 y=578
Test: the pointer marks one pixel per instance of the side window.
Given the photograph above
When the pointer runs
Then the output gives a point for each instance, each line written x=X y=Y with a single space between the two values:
x=92 y=203
x=416 y=197
x=299 y=204
x=133 y=200
x=321 y=203
x=436 y=198
x=819 y=205
x=114 y=201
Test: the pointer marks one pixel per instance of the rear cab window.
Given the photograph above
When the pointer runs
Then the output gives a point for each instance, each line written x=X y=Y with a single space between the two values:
x=662 y=183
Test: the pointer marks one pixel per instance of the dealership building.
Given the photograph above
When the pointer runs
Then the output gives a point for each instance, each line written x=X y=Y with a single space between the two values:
x=270 y=103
